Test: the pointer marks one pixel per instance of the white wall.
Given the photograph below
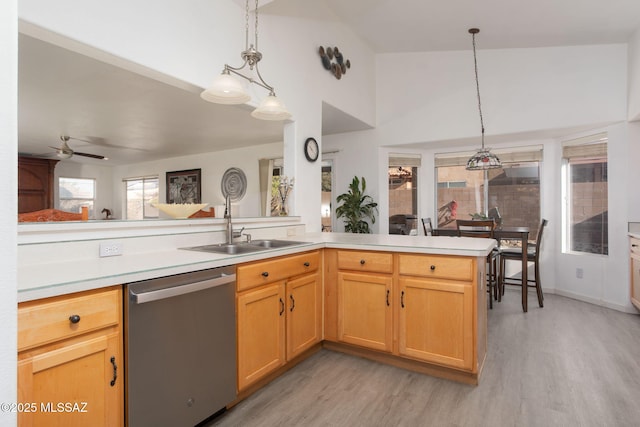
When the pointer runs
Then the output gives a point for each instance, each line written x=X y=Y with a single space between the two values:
x=432 y=96
x=634 y=76
x=633 y=170
x=8 y=209
x=213 y=166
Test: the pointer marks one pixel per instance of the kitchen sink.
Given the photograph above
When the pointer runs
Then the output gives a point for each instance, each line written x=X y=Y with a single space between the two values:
x=274 y=243
x=244 y=247
x=231 y=249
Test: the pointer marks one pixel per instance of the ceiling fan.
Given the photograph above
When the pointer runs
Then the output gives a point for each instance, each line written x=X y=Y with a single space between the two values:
x=65 y=152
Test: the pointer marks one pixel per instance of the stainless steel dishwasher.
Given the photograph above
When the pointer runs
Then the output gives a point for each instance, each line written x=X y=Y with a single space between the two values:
x=180 y=348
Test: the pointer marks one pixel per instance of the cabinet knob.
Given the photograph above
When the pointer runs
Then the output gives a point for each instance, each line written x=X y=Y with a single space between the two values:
x=74 y=319
x=362 y=262
x=634 y=246
x=433 y=267
x=265 y=274
x=306 y=264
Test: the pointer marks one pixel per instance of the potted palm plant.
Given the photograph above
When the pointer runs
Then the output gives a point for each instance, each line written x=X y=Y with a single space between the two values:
x=357 y=207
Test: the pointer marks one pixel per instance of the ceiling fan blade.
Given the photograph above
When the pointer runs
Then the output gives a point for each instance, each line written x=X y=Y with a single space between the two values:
x=93 y=156
x=103 y=142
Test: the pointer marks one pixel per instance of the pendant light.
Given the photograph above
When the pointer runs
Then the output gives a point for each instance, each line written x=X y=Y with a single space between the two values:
x=483 y=159
x=226 y=89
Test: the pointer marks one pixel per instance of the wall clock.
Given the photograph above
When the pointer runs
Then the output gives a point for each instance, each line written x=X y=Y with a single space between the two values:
x=311 y=150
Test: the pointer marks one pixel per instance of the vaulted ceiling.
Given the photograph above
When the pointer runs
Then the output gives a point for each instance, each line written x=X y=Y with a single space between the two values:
x=61 y=91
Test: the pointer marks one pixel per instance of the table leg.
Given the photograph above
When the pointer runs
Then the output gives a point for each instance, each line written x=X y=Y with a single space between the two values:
x=525 y=287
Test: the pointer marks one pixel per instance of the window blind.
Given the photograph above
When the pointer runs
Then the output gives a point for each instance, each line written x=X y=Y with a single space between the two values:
x=592 y=146
x=412 y=160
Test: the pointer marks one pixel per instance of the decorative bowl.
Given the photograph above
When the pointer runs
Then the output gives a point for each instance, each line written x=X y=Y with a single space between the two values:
x=179 y=210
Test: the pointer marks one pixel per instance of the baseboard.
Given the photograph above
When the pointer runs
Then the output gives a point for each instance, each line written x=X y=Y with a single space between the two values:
x=451 y=374
x=614 y=306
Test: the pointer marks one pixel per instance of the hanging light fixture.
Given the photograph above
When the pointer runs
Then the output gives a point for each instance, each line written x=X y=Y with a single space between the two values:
x=226 y=89
x=484 y=158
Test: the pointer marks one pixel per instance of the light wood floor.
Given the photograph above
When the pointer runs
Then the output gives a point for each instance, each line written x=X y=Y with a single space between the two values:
x=567 y=364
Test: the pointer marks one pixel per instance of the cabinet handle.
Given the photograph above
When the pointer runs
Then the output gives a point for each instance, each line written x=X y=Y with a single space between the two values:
x=634 y=246
x=293 y=302
x=115 y=371
x=433 y=267
x=306 y=264
x=281 y=306
x=265 y=274
x=361 y=262
x=387 y=297
x=402 y=299
x=74 y=319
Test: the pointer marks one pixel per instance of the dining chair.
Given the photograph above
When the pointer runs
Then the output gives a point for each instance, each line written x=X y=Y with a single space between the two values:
x=427 y=226
x=533 y=255
x=483 y=229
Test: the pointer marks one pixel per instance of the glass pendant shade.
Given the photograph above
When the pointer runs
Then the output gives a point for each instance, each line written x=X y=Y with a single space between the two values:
x=271 y=109
x=226 y=89
x=483 y=159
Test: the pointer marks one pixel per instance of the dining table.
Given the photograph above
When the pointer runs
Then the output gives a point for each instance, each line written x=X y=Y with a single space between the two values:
x=503 y=233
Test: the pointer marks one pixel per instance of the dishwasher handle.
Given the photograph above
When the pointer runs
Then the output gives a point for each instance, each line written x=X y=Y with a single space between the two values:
x=149 y=296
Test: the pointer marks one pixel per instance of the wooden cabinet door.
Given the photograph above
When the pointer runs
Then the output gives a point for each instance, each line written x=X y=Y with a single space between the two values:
x=436 y=321
x=635 y=281
x=304 y=313
x=72 y=385
x=35 y=184
x=364 y=310
x=261 y=332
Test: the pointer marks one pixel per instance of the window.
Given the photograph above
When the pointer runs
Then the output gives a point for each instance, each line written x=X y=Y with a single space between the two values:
x=403 y=193
x=140 y=193
x=74 y=193
x=512 y=193
x=585 y=195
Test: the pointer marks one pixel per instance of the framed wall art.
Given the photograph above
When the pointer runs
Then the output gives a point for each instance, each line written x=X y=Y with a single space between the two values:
x=184 y=186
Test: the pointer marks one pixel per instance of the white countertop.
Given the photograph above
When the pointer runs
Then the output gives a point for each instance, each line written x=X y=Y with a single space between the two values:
x=44 y=279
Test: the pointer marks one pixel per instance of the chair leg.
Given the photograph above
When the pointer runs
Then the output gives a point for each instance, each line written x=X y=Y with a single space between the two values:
x=494 y=264
x=496 y=268
x=539 y=286
x=490 y=289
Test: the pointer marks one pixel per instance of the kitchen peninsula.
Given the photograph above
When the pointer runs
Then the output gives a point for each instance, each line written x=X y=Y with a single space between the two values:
x=414 y=302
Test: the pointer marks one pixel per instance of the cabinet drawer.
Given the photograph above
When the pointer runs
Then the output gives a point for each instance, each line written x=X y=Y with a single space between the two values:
x=46 y=321
x=442 y=267
x=379 y=262
x=263 y=272
x=634 y=246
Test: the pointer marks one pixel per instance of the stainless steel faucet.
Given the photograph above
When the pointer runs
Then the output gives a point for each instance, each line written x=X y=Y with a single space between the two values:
x=227 y=215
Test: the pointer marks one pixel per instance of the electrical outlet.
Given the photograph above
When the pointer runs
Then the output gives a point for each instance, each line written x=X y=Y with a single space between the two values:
x=579 y=273
x=110 y=249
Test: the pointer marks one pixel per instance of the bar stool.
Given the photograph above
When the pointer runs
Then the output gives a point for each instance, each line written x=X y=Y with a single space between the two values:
x=533 y=255
x=483 y=229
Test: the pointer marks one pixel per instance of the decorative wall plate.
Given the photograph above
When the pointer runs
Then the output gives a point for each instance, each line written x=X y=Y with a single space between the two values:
x=333 y=60
x=234 y=184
